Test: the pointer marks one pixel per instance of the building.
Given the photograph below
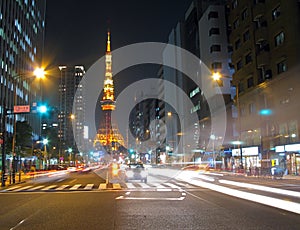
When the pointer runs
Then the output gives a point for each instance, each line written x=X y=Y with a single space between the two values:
x=266 y=56
x=22 y=26
x=71 y=109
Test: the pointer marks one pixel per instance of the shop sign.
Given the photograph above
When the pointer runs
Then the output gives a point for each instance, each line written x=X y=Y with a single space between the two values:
x=279 y=149
x=249 y=151
x=292 y=148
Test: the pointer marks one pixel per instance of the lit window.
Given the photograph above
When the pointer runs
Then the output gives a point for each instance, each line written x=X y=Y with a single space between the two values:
x=281 y=67
x=279 y=39
x=276 y=13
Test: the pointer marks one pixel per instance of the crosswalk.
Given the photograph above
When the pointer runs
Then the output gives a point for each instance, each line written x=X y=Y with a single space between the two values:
x=89 y=187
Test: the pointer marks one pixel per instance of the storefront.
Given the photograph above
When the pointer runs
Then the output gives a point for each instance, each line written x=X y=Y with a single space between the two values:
x=288 y=157
x=249 y=158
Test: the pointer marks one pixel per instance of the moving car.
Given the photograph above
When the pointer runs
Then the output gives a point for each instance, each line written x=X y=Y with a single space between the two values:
x=136 y=171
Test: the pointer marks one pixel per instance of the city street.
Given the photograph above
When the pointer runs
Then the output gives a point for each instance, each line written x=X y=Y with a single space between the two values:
x=173 y=203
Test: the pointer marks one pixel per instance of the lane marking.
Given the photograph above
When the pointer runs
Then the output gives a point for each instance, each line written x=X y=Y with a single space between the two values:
x=116 y=186
x=75 y=187
x=102 y=186
x=262 y=188
x=159 y=186
x=130 y=185
x=144 y=185
x=62 y=187
x=49 y=187
x=36 y=188
x=89 y=187
x=23 y=188
x=172 y=185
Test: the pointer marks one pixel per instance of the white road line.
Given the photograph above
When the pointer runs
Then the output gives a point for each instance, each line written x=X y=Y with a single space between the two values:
x=144 y=185
x=89 y=187
x=102 y=186
x=116 y=186
x=172 y=185
x=36 y=188
x=62 y=187
x=49 y=187
x=12 y=188
x=130 y=185
x=186 y=185
x=157 y=185
x=76 y=186
x=23 y=188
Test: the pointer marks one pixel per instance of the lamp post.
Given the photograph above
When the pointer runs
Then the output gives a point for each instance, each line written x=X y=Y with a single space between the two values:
x=45 y=142
x=170 y=114
x=38 y=73
x=217 y=76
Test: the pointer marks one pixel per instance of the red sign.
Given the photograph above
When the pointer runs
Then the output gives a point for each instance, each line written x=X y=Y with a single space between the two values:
x=22 y=109
x=1 y=141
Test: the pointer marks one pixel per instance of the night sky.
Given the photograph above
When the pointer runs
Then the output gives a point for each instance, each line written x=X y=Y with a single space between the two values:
x=76 y=33
x=76 y=29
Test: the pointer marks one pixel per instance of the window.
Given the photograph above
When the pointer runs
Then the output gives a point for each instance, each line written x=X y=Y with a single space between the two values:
x=246 y=36
x=213 y=14
x=252 y=108
x=279 y=39
x=213 y=31
x=258 y=1
x=237 y=44
x=215 y=48
x=236 y=23
x=245 y=14
x=234 y=4
x=281 y=67
x=216 y=65
x=248 y=58
x=250 y=82
x=239 y=65
x=276 y=13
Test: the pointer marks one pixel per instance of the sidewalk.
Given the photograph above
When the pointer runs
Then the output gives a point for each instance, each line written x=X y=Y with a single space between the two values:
x=23 y=179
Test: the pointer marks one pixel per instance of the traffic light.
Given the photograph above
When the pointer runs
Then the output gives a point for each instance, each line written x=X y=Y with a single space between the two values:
x=42 y=109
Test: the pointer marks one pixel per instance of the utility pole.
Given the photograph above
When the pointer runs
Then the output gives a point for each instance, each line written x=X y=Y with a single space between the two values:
x=3 y=143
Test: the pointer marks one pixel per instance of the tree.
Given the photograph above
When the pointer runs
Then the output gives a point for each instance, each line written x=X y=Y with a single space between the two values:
x=23 y=136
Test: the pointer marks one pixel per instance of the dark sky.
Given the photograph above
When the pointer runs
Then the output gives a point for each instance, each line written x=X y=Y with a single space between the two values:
x=76 y=29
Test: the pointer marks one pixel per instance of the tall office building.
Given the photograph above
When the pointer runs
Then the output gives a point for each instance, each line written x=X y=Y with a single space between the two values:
x=266 y=56
x=22 y=25
x=71 y=94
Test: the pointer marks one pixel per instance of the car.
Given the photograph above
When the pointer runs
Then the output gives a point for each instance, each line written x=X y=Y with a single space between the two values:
x=136 y=171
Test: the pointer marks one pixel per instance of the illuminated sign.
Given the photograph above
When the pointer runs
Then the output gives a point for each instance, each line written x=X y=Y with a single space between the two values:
x=22 y=109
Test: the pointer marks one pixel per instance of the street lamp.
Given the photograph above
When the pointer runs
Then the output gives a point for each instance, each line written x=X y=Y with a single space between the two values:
x=38 y=73
x=181 y=133
x=217 y=76
x=45 y=142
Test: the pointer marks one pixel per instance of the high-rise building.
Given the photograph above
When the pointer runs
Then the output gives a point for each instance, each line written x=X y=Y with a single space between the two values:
x=266 y=56
x=71 y=108
x=22 y=25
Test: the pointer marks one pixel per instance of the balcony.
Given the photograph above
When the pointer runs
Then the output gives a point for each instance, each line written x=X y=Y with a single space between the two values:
x=259 y=9
x=263 y=58
x=261 y=33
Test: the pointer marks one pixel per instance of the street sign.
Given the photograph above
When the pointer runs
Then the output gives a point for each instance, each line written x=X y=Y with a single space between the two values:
x=22 y=109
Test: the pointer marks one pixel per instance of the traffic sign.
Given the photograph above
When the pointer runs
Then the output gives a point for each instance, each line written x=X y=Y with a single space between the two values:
x=22 y=109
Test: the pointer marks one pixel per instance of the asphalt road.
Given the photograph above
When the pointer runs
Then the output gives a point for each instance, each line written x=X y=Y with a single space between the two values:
x=166 y=202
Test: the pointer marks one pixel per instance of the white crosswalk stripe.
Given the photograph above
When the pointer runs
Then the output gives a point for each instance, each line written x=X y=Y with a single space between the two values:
x=185 y=185
x=143 y=185
x=89 y=187
x=49 y=187
x=36 y=188
x=172 y=185
x=62 y=187
x=130 y=185
x=157 y=185
x=12 y=188
x=23 y=188
x=75 y=187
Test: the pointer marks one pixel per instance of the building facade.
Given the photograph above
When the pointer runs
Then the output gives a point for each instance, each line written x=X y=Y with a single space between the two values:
x=22 y=26
x=71 y=109
x=266 y=46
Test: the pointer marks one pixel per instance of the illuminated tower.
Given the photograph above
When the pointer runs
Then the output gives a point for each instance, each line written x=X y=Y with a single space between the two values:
x=108 y=135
